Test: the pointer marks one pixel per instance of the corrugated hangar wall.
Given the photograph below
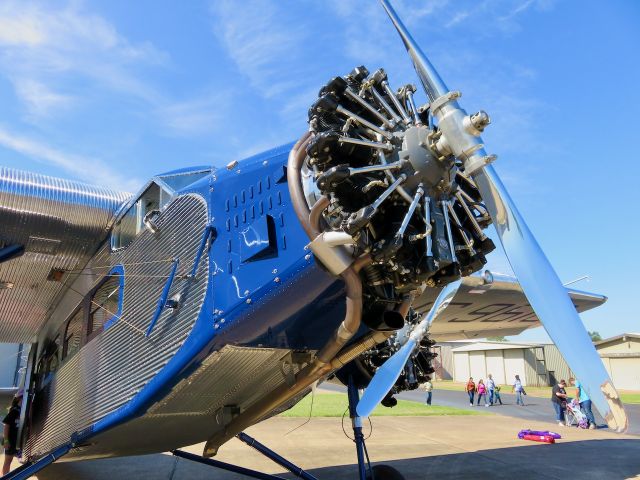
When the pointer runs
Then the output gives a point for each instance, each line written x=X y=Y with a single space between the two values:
x=443 y=363
x=536 y=365
x=557 y=368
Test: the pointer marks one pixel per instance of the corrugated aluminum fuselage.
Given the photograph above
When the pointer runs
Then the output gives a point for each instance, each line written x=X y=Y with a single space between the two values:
x=257 y=297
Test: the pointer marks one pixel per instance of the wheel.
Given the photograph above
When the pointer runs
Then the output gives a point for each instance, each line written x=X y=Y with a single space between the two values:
x=384 y=472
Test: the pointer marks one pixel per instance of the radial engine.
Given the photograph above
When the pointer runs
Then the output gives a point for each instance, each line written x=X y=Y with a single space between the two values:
x=381 y=184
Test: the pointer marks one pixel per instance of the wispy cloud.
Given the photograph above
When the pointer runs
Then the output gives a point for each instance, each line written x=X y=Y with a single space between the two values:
x=458 y=17
x=40 y=100
x=40 y=46
x=85 y=168
x=199 y=115
x=60 y=60
x=264 y=46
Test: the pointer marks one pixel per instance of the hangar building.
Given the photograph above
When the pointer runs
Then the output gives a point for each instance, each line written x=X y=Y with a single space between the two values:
x=538 y=364
x=621 y=357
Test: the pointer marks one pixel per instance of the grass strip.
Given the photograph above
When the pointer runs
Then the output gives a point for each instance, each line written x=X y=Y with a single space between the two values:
x=335 y=405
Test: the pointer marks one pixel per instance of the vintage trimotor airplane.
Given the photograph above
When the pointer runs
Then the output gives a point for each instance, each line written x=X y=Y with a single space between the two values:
x=217 y=298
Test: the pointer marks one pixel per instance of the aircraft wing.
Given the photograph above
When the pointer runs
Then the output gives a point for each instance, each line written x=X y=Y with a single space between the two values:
x=48 y=227
x=493 y=305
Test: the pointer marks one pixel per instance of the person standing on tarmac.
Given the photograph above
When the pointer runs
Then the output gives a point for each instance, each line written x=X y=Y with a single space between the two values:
x=428 y=388
x=10 y=438
x=491 y=387
x=559 y=401
x=471 y=390
x=585 y=403
x=519 y=390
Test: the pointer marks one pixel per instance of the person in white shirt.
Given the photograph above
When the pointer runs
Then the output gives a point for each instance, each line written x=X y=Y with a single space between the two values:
x=428 y=387
x=491 y=387
x=517 y=387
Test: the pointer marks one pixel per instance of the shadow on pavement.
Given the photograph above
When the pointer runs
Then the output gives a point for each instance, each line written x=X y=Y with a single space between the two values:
x=590 y=459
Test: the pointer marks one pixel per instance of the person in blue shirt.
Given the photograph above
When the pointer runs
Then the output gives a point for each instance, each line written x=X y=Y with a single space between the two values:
x=585 y=403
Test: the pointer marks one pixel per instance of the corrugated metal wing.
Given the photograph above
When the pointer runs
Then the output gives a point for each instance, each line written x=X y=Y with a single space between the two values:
x=60 y=223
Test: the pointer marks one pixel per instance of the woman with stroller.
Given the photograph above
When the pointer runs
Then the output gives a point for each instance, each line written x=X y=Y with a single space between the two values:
x=471 y=390
x=482 y=393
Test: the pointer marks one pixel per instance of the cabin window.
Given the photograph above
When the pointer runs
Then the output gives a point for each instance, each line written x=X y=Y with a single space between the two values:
x=73 y=333
x=131 y=224
x=105 y=303
x=53 y=360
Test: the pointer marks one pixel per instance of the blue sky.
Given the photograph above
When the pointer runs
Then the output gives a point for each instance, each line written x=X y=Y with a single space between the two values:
x=113 y=92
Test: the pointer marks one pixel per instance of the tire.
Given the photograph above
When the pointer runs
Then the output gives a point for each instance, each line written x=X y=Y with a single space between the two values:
x=385 y=472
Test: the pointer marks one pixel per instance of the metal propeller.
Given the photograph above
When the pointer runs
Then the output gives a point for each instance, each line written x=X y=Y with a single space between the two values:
x=388 y=373
x=541 y=285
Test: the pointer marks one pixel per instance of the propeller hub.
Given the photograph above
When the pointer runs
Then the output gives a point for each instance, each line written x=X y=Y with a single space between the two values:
x=426 y=168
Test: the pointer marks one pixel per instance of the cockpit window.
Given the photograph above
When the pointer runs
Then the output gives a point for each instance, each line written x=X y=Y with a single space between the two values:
x=180 y=180
x=132 y=223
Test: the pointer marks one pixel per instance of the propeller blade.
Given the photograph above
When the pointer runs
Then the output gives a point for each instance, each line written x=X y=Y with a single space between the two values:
x=387 y=375
x=549 y=299
x=429 y=77
x=384 y=379
x=539 y=282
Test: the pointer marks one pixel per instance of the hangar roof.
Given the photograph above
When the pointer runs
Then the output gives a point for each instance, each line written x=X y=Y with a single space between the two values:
x=623 y=337
x=481 y=346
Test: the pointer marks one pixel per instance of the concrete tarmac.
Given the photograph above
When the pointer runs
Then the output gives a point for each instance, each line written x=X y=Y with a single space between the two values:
x=535 y=409
x=419 y=447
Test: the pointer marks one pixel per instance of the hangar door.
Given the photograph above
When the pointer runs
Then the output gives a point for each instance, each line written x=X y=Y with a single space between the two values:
x=495 y=366
x=476 y=364
x=625 y=373
x=461 y=366
x=514 y=365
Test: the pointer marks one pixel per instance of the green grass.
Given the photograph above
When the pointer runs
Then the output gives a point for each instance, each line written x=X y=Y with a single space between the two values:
x=335 y=405
x=630 y=397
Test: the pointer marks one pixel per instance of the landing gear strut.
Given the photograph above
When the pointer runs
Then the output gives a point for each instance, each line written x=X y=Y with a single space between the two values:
x=365 y=471
x=263 y=449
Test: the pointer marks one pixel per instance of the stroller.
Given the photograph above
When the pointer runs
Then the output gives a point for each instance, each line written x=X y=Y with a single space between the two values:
x=574 y=416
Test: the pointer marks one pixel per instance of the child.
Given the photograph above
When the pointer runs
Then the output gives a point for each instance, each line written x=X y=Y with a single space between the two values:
x=496 y=395
x=482 y=393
